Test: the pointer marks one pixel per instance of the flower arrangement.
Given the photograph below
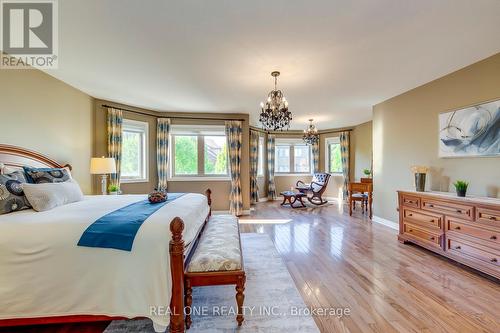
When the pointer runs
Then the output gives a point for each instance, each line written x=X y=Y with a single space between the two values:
x=461 y=187
x=420 y=172
x=419 y=169
x=114 y=189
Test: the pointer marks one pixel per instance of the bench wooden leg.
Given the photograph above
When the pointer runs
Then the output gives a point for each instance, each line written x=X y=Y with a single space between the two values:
x=188 y=301
x=240 y=297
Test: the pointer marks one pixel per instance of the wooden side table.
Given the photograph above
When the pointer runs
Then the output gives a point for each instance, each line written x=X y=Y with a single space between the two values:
x=292 y=197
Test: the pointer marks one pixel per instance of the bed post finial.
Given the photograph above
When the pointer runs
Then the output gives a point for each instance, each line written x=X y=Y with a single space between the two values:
x=208 y=193
x=176 y=249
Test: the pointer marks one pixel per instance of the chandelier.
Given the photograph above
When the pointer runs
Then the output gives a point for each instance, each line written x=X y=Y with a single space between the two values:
x=311 y=135
x=275 y=115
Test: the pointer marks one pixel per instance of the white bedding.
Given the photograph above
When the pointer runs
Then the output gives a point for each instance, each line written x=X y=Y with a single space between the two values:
x=44 y=273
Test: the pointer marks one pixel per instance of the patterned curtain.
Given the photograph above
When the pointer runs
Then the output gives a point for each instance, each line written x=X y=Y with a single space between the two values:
x=114 y=121
x=344 y=154
x=234 y=136
x=315 y=156
x=254 y=162
x=271 y=192
x=162 y=134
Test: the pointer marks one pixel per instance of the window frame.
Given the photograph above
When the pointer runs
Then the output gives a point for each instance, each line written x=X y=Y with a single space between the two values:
x=199 y=132
x=261 y=165
x=328 y=142
x=142 y=127
x=292 y=143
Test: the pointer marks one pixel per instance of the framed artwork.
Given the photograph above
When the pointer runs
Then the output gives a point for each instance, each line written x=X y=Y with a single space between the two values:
x=471 y=131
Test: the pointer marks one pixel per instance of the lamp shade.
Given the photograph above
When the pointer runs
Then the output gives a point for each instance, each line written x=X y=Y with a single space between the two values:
x=102 y=165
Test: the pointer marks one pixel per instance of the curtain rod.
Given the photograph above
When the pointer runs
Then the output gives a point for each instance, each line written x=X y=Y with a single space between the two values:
x=171 y=117
x=299 y=131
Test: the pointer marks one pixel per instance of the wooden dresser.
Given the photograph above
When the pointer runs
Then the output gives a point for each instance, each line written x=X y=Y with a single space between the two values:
x=464 y=229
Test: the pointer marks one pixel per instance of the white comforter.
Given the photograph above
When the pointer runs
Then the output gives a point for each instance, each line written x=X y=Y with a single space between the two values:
x=44 y=273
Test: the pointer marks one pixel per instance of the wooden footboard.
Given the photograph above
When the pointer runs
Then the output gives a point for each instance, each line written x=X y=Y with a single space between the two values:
x=177 y=260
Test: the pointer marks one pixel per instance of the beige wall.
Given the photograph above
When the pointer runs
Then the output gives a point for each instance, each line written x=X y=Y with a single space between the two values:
x=405 y=133
x=361 y=140
x=220 y=189
x=41 y=113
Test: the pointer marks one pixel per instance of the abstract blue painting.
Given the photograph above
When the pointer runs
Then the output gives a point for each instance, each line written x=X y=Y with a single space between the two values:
x=471 y=131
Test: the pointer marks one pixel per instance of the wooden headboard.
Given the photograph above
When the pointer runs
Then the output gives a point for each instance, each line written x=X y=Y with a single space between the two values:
x=12 y=156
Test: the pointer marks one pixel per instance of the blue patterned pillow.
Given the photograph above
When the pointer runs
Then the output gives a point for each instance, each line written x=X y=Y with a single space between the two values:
x=11 y=192
x=46 y=175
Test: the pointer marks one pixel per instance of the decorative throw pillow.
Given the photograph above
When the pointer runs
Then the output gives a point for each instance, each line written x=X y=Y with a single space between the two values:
x=46 y=175
x=11 y=192
x=46 y=196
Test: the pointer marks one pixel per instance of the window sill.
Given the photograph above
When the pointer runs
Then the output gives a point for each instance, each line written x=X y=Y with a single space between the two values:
x=133 y=181
x=199 y=179
x=291 y=174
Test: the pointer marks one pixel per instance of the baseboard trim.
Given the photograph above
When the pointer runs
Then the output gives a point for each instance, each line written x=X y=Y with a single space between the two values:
x=387 y=223
x=263 y=199
x=224 y=212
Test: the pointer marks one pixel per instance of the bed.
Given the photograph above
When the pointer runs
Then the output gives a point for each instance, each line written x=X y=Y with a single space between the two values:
x=46 y=278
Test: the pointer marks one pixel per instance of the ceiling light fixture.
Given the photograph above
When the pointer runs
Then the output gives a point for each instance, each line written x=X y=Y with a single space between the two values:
x=275 y=115
x=311 y=135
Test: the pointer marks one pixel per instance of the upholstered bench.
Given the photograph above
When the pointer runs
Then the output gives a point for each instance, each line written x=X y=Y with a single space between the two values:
x=217 y=260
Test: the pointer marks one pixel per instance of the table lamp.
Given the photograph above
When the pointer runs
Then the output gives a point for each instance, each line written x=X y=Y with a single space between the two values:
x=102 y=166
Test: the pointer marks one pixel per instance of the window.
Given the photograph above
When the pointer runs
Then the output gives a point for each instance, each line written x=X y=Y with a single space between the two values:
x=333 y=160
x=215 y=155
x=282 y=159
x=186 y=154
x=301 y=158
x=260 y=166
x=292 y=156
x=199 y=152
x=134 y=166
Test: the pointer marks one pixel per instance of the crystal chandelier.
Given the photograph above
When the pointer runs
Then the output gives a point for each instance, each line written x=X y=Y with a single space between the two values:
x=275 y=115
x=311 y=135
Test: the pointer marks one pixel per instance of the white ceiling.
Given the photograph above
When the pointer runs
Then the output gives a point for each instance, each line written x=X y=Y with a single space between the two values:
x=337 y=57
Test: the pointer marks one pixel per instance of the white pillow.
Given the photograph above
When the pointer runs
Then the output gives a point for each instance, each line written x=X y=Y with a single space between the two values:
x=47 y=196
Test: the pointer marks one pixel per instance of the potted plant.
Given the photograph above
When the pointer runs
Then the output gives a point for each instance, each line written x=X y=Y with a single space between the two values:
x=461 y=187
x=113 y=189
x=420 y=172
x=367 y=172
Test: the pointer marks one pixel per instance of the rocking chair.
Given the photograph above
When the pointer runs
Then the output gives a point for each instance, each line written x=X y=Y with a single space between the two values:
x=315 y=188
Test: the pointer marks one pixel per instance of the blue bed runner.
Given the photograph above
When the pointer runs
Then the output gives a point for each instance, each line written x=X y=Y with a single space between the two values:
x=117 y=229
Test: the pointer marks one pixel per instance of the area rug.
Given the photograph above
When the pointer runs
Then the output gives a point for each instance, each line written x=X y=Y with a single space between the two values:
x=269 y=291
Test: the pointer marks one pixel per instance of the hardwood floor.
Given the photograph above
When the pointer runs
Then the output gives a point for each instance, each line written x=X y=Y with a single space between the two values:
x=349 y=262
x=341 y=261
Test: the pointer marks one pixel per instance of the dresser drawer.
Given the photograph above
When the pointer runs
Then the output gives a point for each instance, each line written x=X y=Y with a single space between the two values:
x=465 y=228
x=488 y=216
x=422 y=235
x=410 y=201
x=424 y=219
x=462 y=211
x=473 y=251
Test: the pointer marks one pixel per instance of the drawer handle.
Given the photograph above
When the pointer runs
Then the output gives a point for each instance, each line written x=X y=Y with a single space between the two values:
x=493 y=218
x=493 y=237
x=432 y=238
x=459 y=211
x=410 y=214
x=409 y=201
x=457 y=228
x=411 y=230
x=432 y=220
x=431 y=205
x=494 y=260
x=458 y=247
